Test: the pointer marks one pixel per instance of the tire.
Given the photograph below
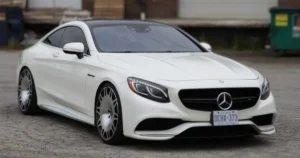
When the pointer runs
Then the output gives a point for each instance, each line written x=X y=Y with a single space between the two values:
x=108 y=115
x=27 y=99
x=279 y=53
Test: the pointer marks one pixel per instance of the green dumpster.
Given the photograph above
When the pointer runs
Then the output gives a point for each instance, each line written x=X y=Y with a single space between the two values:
x=285 y=29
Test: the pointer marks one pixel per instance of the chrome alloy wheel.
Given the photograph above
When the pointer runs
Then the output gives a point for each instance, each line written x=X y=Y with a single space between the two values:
x=25 y=90
x=107 y=113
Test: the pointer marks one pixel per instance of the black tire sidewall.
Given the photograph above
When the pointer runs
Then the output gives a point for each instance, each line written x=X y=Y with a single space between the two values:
x=279 y=53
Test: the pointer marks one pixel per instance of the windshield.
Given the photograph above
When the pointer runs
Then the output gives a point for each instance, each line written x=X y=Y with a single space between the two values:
x=142 y=38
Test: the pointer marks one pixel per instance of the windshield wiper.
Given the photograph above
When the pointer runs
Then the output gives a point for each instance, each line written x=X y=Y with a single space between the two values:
x=128 y=51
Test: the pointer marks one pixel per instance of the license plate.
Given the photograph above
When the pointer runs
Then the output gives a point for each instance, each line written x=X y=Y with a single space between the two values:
x=225 y=118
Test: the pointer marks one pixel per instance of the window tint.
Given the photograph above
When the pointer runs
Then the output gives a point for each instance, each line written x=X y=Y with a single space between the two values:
x=142 y=38
x=73 y=34
x=54 y=38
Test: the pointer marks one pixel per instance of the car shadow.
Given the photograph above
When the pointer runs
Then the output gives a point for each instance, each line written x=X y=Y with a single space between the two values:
x=173 y=145
x=291 y=55
x=70 y=123
x=198 y=144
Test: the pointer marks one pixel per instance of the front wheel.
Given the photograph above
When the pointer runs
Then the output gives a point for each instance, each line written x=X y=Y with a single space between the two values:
x=108 y=114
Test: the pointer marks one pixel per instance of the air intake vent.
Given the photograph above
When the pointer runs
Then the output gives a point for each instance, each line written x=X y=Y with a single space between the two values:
x=221 y=131
x=158 y=124
x=263 y=120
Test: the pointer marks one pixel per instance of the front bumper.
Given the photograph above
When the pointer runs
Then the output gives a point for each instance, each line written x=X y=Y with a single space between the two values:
x=171 y=133
x=136 y=109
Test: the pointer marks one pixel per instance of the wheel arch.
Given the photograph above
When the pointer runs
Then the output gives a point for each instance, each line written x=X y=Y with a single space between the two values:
x=19 y=73
x=24 y=67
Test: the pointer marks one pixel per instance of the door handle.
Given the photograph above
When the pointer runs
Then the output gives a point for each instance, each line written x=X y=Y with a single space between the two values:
x=90 y=75
x=55 y=55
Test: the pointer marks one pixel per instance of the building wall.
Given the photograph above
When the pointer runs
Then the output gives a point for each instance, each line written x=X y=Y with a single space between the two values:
x=289 y=3
x=88 y=5
x=226 y=9
x=75 y=4
x=109 y=9
x=152 y=8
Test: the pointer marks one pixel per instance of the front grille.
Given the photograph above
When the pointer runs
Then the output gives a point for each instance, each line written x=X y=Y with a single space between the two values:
x=158 y=124
x=206 y=99
x=219 y=131
x=263 y=120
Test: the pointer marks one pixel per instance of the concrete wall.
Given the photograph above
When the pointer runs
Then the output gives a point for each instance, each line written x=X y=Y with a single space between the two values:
x=226 y=9
x=75 y=4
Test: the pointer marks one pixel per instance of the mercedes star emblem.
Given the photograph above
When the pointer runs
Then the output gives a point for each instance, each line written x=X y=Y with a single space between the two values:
x=224 y=101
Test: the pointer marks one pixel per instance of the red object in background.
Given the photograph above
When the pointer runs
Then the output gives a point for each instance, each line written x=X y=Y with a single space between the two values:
x=298 y=21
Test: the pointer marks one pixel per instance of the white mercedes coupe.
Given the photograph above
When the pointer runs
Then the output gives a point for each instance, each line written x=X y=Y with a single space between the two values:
x=142 y=80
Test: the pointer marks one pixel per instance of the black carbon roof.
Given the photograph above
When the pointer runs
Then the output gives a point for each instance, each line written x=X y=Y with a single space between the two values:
x=92 y=23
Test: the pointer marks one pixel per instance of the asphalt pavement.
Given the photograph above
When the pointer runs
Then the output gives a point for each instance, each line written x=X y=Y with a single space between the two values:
x=50 y=135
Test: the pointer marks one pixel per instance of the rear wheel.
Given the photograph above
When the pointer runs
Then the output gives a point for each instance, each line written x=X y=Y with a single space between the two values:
x=108 y=115
x=279 y=53
x=27 y=98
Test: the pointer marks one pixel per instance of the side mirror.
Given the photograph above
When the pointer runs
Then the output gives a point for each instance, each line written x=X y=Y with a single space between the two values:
x=75 y=48
x=206 y=46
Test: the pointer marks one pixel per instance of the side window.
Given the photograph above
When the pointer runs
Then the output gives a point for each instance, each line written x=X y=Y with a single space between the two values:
x=74 y=34
x=54 y=38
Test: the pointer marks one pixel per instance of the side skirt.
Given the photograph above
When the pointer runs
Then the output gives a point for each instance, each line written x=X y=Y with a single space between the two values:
x=69 y=113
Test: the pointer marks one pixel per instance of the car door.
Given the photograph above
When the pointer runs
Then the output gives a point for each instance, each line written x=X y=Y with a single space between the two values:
x=69 y=83
x=44 y=68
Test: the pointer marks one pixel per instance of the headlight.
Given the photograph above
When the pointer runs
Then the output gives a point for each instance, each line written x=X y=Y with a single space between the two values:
x=148 y=90
x=265 y=90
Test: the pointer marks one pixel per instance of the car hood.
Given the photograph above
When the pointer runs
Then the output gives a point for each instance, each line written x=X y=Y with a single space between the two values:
x=180 y=66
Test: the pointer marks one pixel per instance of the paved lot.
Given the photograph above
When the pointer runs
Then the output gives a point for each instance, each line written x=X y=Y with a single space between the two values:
x=50 y=135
